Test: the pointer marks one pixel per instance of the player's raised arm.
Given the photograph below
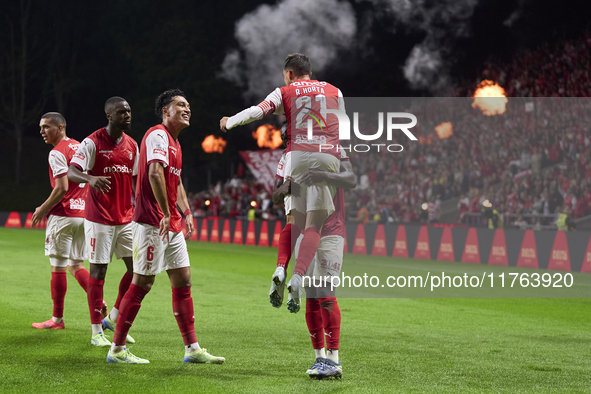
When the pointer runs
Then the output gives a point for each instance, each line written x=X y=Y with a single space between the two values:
x=272 y=104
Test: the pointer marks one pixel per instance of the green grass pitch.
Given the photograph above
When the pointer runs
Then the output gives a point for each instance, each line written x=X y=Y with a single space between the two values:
x=387 y=344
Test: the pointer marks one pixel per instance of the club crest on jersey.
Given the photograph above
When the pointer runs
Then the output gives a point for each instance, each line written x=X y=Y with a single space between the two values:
x=129 y=154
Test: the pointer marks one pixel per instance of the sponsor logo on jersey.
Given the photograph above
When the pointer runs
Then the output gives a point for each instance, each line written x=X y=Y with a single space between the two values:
x=73 y=146
x=106 y=153
x=319 y=140
x=175 y=171
x=79 y=156
x=117 y=168
x=159 y=152
x=77 y=203
x=306 y=83
x=173 y=150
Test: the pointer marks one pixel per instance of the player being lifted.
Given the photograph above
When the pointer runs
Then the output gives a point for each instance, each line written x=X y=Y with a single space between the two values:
x=323 y=316
x=303 y=100
x=64 y=236
x=158 y=242
x=110 y=157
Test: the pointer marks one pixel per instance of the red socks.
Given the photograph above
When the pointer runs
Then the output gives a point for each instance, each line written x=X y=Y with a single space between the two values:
x=307 y=250
x=123 y=286
x=331 y=318
x=287 y=240
x=314 y=322
x=82 y=276
x=182 y=306
x=59 y=285
x=130 y=306
x=95 y=299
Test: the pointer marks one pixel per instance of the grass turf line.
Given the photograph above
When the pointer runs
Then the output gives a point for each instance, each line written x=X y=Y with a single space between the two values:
x=387 y=345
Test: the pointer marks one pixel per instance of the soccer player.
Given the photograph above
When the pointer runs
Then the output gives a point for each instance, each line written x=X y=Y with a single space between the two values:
x=64 y=235
x=158 y=242
x=303 y=100
x=110 y=157
x=323 y=316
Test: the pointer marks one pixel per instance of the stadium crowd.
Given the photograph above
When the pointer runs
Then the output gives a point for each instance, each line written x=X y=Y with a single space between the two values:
x=531 y=162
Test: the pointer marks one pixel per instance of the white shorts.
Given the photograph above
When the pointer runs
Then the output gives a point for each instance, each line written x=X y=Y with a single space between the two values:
x=328 y=260
x=316 y=197
x=151 y=255
x=63 y=263
x=64 y=238
x=102 y=240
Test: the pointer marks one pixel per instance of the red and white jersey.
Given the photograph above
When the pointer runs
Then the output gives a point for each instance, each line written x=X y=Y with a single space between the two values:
x=101 y=156
x=335 y=223
x=158 y=146
x=72 y=203
x=281 y=167
x=303 y=102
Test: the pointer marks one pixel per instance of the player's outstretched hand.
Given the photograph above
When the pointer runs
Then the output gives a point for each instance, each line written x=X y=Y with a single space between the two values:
x=223 y=122
x=294 y=188
x=312 y=176
x=101 y=183
x=38 y=216
x=190 y=227
x=289 y=188
x=164 y=228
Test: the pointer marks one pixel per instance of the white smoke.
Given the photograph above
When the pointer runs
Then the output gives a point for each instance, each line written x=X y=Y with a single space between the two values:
x=424 y=68
x=318 y=28
x=321 y=28
x=442 y=21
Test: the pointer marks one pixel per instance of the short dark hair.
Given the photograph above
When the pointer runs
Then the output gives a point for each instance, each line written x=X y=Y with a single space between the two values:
x=111 y=102
x=55 y=118
x=166 y=98
x=298 y=63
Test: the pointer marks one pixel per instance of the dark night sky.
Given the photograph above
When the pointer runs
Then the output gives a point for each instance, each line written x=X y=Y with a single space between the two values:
x=90 y=51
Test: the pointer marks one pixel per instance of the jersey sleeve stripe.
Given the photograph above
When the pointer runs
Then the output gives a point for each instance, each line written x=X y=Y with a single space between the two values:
x=267 y=107
x=158 y=161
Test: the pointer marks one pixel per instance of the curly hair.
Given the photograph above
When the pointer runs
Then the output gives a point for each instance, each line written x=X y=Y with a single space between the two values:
x=165 y=99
